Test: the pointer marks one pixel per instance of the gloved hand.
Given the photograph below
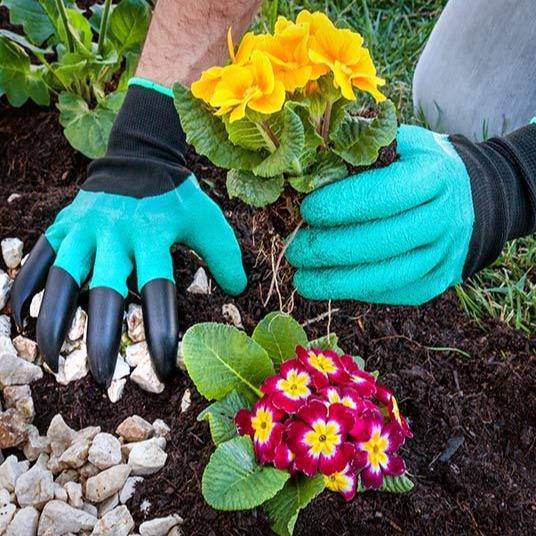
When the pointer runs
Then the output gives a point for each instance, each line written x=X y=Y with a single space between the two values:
x=405 y=233
x=138 y=201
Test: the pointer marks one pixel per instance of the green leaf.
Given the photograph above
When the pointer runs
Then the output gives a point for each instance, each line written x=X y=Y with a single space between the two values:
x=220 y=416
x=279 y=334
x=288 y=129
x=327 y=342
x=131 y=62
x=359 y=361
x=128 y=25
x=96 y=16
x=328 y=168
x=313 y=140
x=18 y=79
x=207 y=134
x=23 y=42
x=298 y=492
x=391 y=484
x=246 y=133
x=254 y=190
x=358 y=140
x=80 y=29
x=220 y=359
x=233 y=480
x=86 y=129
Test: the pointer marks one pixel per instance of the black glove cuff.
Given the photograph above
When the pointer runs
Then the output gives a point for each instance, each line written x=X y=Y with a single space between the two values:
x=146 y=148
x=503 y=184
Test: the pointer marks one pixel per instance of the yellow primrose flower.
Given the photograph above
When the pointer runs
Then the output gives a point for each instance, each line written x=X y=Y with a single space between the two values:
x=317 y=21
x=249 y=43
x=204 y=87
x=248 y=86
x=343 y=52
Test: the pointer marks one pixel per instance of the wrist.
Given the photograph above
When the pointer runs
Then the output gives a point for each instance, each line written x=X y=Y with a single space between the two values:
x=502 y=173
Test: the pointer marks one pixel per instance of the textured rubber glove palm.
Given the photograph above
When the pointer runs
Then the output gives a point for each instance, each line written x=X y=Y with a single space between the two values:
x=396 y=235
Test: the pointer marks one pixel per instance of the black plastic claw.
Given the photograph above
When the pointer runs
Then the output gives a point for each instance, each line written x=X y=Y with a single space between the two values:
x=56 y=314
x=105 y=318
x=31 y=279
x=160 y=317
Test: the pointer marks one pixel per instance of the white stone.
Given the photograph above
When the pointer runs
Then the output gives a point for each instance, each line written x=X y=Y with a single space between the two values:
x=90 y=509
x=60 y=435
x=7 y=510
x=160 y=526
x=74 y=494
x=35 y=304
x=145 y=376
x=13 y=197
x=136 y=330
x=20 y=398
x=35 y=487
x=5 y=326
x=5 y=288
x=59 y=492
x=24 y=522
x=145 y=506
x=122 y=370
x=26 y=348
x=134 y=428
x=58 y=518
x=200 y=284
x=68 y=475
x=146 y=458
x=115 y=391
x=53 y=464
x=175 y=531
x=117 y=522
x=76 y=455
x=106 y=483
x=76 y=365
x=7 y=346
x=180 y=358
x=10 y=471
x=69 y=346
x=186 y=400
x=87 y=434
x=136 y=354
x=87 y=471
x=105 y=451
x=78 y=325
x=231 y=313
x=108 y=504
x=161 y=429
x=17 y=371
x=12 y=429
x=127 y=491
x=12 y=251
x=35 y=444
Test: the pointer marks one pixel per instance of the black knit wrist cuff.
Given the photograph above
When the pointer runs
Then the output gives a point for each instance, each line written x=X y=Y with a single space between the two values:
x=503 y=184
x=146 y=148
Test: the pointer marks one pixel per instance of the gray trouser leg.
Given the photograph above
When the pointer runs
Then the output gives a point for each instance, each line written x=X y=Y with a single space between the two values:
x=477 y=73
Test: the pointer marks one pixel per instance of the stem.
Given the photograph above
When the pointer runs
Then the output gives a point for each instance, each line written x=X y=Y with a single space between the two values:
x=326 y=122
x=269 y=136
x=103 y=26
x=65 y=21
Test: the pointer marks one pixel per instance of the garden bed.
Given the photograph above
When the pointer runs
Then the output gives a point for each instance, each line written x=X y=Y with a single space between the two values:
x=472 y=407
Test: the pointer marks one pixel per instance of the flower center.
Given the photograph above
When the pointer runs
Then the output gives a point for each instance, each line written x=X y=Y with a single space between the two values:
x=337 y=482
x=375 y=448
x=322 y=363
x=295 y=385
x=262 y=425
x=323 y=438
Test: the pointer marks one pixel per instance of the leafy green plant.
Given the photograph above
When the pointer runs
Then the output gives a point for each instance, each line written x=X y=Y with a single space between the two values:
x=75 y=59
x=262 y=387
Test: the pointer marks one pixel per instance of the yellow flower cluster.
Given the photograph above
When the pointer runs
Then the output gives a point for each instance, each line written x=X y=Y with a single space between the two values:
x=266 y=67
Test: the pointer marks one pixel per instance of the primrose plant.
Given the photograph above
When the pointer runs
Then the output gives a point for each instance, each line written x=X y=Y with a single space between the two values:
x=285 y=109
x=290 y=419
x=74 y=58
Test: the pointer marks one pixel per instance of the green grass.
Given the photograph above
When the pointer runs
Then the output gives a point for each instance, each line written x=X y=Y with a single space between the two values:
x=396 y=31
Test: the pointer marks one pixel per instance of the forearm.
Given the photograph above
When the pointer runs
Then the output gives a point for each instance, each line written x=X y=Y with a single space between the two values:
x=188 y=36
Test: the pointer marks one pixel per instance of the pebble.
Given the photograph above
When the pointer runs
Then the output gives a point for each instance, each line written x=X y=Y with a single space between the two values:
x=13 y=430
x=35 y=304
x=20 y=398
x=87 y=434
x=5 y=326
x=6 y=346
x=136 y=354
x=12 y=251
x=180 y=358
x=17 y=371
x=59 y=492
x=145 y=376
x=146 y=458
x=5 y=288
x=76 y=455
x=58 y=518
x=105 y=451
x=90 y=509
x=78 y=325
x=60 y=435
x=117 y=522
x=108 y=504
x=76 y=365
x=186 y=400
x=116 y=389
x=26 y=348
x=24 y=522
x=13 y=197
x=35 y=487
x=200 y=284
x=231 y=313
x=122 y=370
x=10 y=471
x=161 y=429
x=134 y=428
x=160 y=526
x=88 y=470
x=35 y=444
x=7 y=510
x=135 y=327
x=106 y=483
x=127 y=491
x=68 y=475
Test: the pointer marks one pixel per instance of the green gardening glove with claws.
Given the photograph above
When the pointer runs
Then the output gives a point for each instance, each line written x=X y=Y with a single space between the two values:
x=405 y=233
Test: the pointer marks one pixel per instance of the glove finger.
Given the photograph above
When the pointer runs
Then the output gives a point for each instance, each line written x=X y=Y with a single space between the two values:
x=361 y=282
x=214 y=239
x=75 y=254
x=379 y=193
x=105 y=320
x=160 y=317
x=374 y=241
x=31 y=278
x=56 y=314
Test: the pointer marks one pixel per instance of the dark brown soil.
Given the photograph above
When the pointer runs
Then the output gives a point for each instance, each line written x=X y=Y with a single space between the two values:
x=478 y=395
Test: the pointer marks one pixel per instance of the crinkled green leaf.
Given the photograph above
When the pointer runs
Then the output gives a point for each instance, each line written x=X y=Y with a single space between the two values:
x=221 y=358
x=220 y=416
x=18 y=79
x=233 y=480
x=246 y=133
x=279 y=334
x=283 y=509
x=288 y=129
x=327 y=342
x=253 y=190
x=312 y=140
x=328 y=168
x=80 y=29
x=128 y=24
x=392 y=484
x=207 y=134
x=358 y=140
x=86 y=129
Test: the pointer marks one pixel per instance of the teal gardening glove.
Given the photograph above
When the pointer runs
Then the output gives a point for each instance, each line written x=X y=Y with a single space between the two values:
x=138 y=201
x=405 y=233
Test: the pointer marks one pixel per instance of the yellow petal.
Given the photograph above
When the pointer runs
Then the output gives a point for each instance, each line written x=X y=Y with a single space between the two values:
x=370 y=86
x=343 y=81
x=262 y=72
x=249 y=43
x=205 y=86
x=234 y=83
x=317 y=21
x=230 y=44
x=281 y=24
x=270 y=103
x=238 y=113
x=294 y=78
